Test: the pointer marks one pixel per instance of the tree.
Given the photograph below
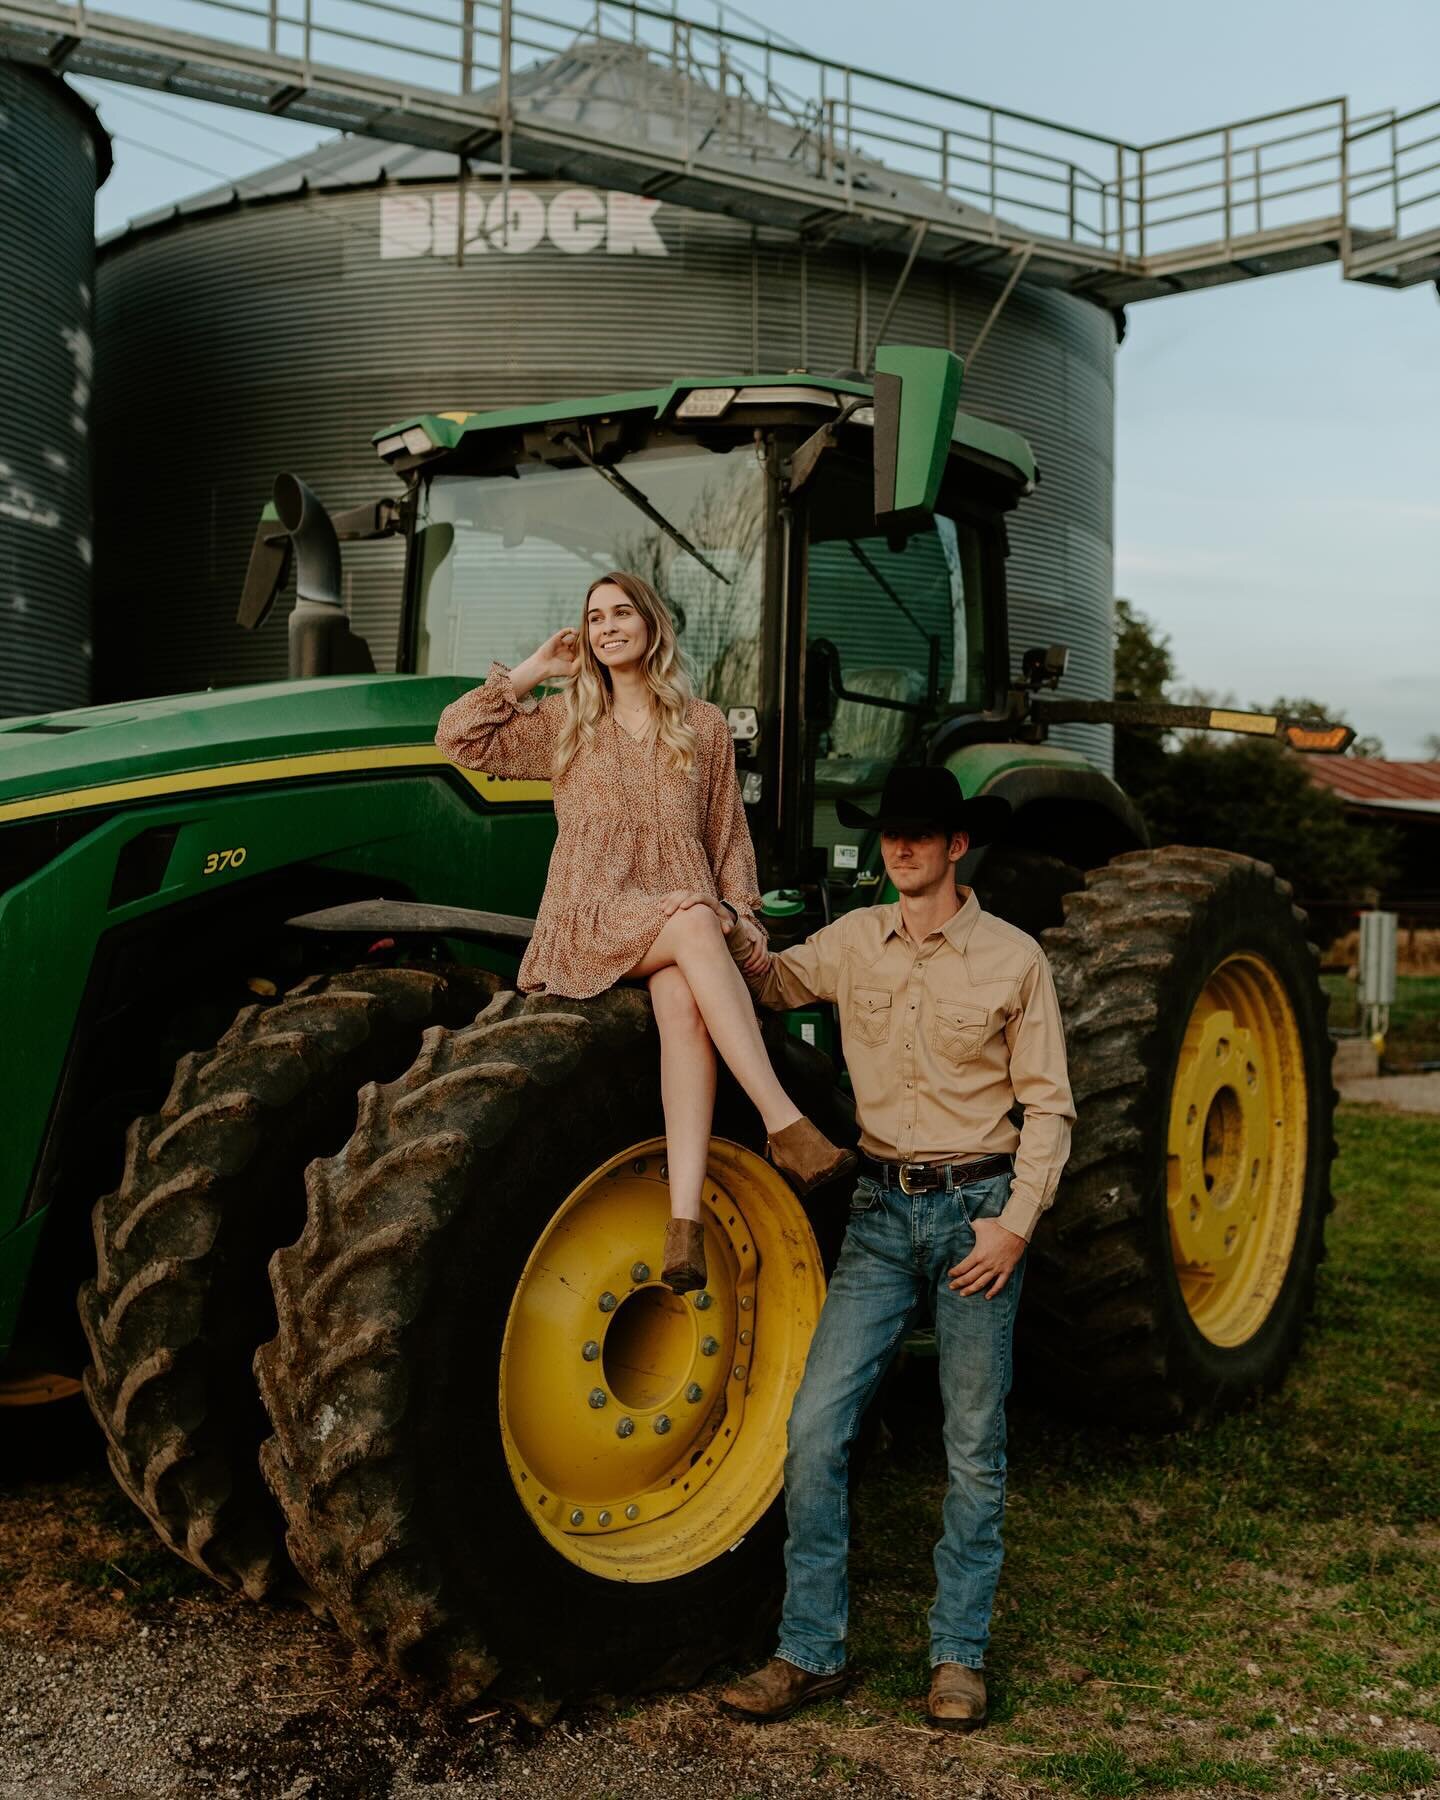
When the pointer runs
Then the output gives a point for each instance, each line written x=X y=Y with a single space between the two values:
x=1430 y=744
x=1144 y=668
x=1252 y=796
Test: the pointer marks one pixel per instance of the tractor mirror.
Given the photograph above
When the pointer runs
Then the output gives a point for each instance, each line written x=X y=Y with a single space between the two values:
x=917 y=392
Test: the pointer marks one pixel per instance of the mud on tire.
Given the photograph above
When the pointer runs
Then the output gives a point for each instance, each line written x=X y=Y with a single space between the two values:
x=210 y=1185
x=1105 y=1317
x=383 y=1381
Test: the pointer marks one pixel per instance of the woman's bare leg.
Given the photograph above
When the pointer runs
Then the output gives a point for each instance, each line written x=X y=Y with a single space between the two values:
x=693 y=942
x=687 y=1087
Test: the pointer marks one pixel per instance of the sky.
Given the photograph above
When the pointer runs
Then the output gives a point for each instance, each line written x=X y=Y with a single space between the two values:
x=1277 y=507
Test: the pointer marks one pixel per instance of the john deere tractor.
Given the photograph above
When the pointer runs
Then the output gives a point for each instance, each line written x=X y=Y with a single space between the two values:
x=366 y=1243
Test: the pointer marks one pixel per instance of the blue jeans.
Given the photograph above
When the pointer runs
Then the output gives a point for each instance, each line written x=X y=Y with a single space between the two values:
x=897 y=1248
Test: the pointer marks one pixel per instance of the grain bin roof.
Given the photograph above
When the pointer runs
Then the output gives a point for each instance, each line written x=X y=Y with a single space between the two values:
x=617 y=91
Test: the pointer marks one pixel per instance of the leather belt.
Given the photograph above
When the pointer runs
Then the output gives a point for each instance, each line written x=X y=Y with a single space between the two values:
x=934 y=1177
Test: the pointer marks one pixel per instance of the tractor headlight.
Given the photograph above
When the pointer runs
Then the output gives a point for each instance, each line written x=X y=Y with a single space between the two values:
x=705 y=403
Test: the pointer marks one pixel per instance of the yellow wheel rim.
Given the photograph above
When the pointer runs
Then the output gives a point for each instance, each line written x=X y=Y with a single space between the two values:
x=1235 y=1171
x=645 y=1434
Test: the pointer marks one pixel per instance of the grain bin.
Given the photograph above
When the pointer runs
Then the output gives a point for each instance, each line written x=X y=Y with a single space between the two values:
x=279 y=322
x=53 y=156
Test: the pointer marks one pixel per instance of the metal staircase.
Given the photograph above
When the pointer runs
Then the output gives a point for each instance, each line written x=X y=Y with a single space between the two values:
x=633 y=97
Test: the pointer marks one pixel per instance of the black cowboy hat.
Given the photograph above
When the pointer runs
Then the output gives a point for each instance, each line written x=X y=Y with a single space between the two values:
x=928 y=799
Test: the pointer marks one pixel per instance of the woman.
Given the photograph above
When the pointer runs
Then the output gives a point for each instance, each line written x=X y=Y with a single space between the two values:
x=652 y=867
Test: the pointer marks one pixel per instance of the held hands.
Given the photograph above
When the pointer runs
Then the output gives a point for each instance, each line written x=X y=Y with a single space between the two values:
x=557 y=659
x=991 y=1263
x=749 y=948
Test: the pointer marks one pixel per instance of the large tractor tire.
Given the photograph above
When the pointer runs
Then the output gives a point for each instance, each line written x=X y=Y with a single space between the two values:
x=1177 y=1270
x=211 y=1184
x=509 y=1458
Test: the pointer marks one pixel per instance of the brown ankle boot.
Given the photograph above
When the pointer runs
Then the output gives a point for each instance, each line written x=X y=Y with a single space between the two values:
x=806 y=1157
x=684 y=1267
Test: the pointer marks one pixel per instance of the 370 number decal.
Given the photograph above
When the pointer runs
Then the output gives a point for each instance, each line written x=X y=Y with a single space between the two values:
x=223 y=859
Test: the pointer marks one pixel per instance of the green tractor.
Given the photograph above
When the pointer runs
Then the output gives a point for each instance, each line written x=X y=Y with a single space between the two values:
x=368 y=1307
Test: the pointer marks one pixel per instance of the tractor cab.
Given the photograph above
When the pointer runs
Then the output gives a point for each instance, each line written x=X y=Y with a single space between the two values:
x=832 y=551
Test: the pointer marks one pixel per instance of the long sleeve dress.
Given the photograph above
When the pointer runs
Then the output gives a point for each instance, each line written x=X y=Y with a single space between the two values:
x=631 y=829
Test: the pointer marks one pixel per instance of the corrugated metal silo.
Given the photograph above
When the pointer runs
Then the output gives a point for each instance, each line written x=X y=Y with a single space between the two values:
x=280 y=328
x=53 y=156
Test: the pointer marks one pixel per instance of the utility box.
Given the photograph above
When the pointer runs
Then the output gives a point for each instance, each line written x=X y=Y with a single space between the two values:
x=1376 y=973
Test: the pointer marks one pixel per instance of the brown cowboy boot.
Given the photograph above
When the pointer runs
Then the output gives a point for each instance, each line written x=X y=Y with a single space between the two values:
x=806 y=1157
x=778 y=1690
x=684 y=1258
x=957 y=1698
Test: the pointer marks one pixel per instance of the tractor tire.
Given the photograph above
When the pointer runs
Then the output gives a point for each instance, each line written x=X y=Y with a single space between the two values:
x=211 y=1184
x=1177 y=1271
x=477 y=1372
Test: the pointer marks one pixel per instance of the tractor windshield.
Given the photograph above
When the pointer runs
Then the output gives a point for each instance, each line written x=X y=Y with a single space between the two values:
x=505 y=560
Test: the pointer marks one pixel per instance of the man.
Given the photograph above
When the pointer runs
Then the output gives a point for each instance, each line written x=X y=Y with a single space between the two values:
x=949 y=1023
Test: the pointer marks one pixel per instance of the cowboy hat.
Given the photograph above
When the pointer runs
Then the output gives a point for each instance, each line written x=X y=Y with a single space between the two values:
x=928 y=799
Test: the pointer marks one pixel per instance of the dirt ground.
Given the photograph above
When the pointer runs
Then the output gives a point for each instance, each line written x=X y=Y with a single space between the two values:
x=112 y=1689
x=1251 y=1608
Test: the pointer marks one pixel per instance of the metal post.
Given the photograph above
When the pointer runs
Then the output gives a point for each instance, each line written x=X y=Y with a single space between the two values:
x=467 y=47
x=1070 y=201
x=506 y=35
x=685 y=117
x=1259 y=204
x=995 y=311
x=273 y=33
x=1140 y=203
x=994 y=228
x=1120 y=200
x=1395 y=173
x=945 y=160
x=1345 y=187
x=1229 y=197
x=849 y=137
x=307 y=39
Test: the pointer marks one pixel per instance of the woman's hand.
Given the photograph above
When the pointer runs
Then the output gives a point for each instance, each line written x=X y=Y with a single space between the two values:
x=557 y=659
x=682 y=898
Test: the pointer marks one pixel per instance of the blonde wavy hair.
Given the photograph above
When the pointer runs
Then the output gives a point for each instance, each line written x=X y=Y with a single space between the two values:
x=589 y=696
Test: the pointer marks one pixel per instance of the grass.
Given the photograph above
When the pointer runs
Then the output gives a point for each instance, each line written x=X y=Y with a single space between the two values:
x=1237 y=1609
x=1414 y=1035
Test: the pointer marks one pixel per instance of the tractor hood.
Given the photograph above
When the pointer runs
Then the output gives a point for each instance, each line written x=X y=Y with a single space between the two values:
x=101 y=755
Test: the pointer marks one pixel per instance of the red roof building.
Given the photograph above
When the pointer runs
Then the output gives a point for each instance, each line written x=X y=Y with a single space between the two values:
x=1395 y=789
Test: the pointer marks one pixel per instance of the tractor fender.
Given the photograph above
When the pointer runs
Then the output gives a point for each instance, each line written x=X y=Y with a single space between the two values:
x=1060 y=803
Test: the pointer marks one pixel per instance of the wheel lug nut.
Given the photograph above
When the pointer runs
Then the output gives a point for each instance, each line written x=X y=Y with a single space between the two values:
x=739 y=1371
x=662 y=1423
x=694 y=1392
x=602 y=1518
x=640 y=1272
x=577 y=1517
x=709 y=1345
x=702 y=1302
x=608 y=1302
x=632 y=1511
x=624 y=1427
x=746 y=1302
x=598 y=1397
x=745 y=1336
x=590 y=1350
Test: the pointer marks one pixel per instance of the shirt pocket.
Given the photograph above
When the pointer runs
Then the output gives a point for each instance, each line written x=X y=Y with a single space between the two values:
x=958 y=1031
x=870 y=1015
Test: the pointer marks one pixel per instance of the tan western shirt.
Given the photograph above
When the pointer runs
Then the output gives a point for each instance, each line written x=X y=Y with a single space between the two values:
x=942 y=1039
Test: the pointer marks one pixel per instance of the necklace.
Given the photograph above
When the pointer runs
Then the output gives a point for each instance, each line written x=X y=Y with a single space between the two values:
x=636 y=737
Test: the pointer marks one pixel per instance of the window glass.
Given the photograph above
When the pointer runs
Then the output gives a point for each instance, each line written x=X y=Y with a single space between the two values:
x=506 y=560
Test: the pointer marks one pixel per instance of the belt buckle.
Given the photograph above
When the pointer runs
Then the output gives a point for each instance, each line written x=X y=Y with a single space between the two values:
x=905 y=1187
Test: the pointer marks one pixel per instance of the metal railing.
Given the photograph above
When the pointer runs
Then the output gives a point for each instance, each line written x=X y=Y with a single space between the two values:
x=733 y=94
